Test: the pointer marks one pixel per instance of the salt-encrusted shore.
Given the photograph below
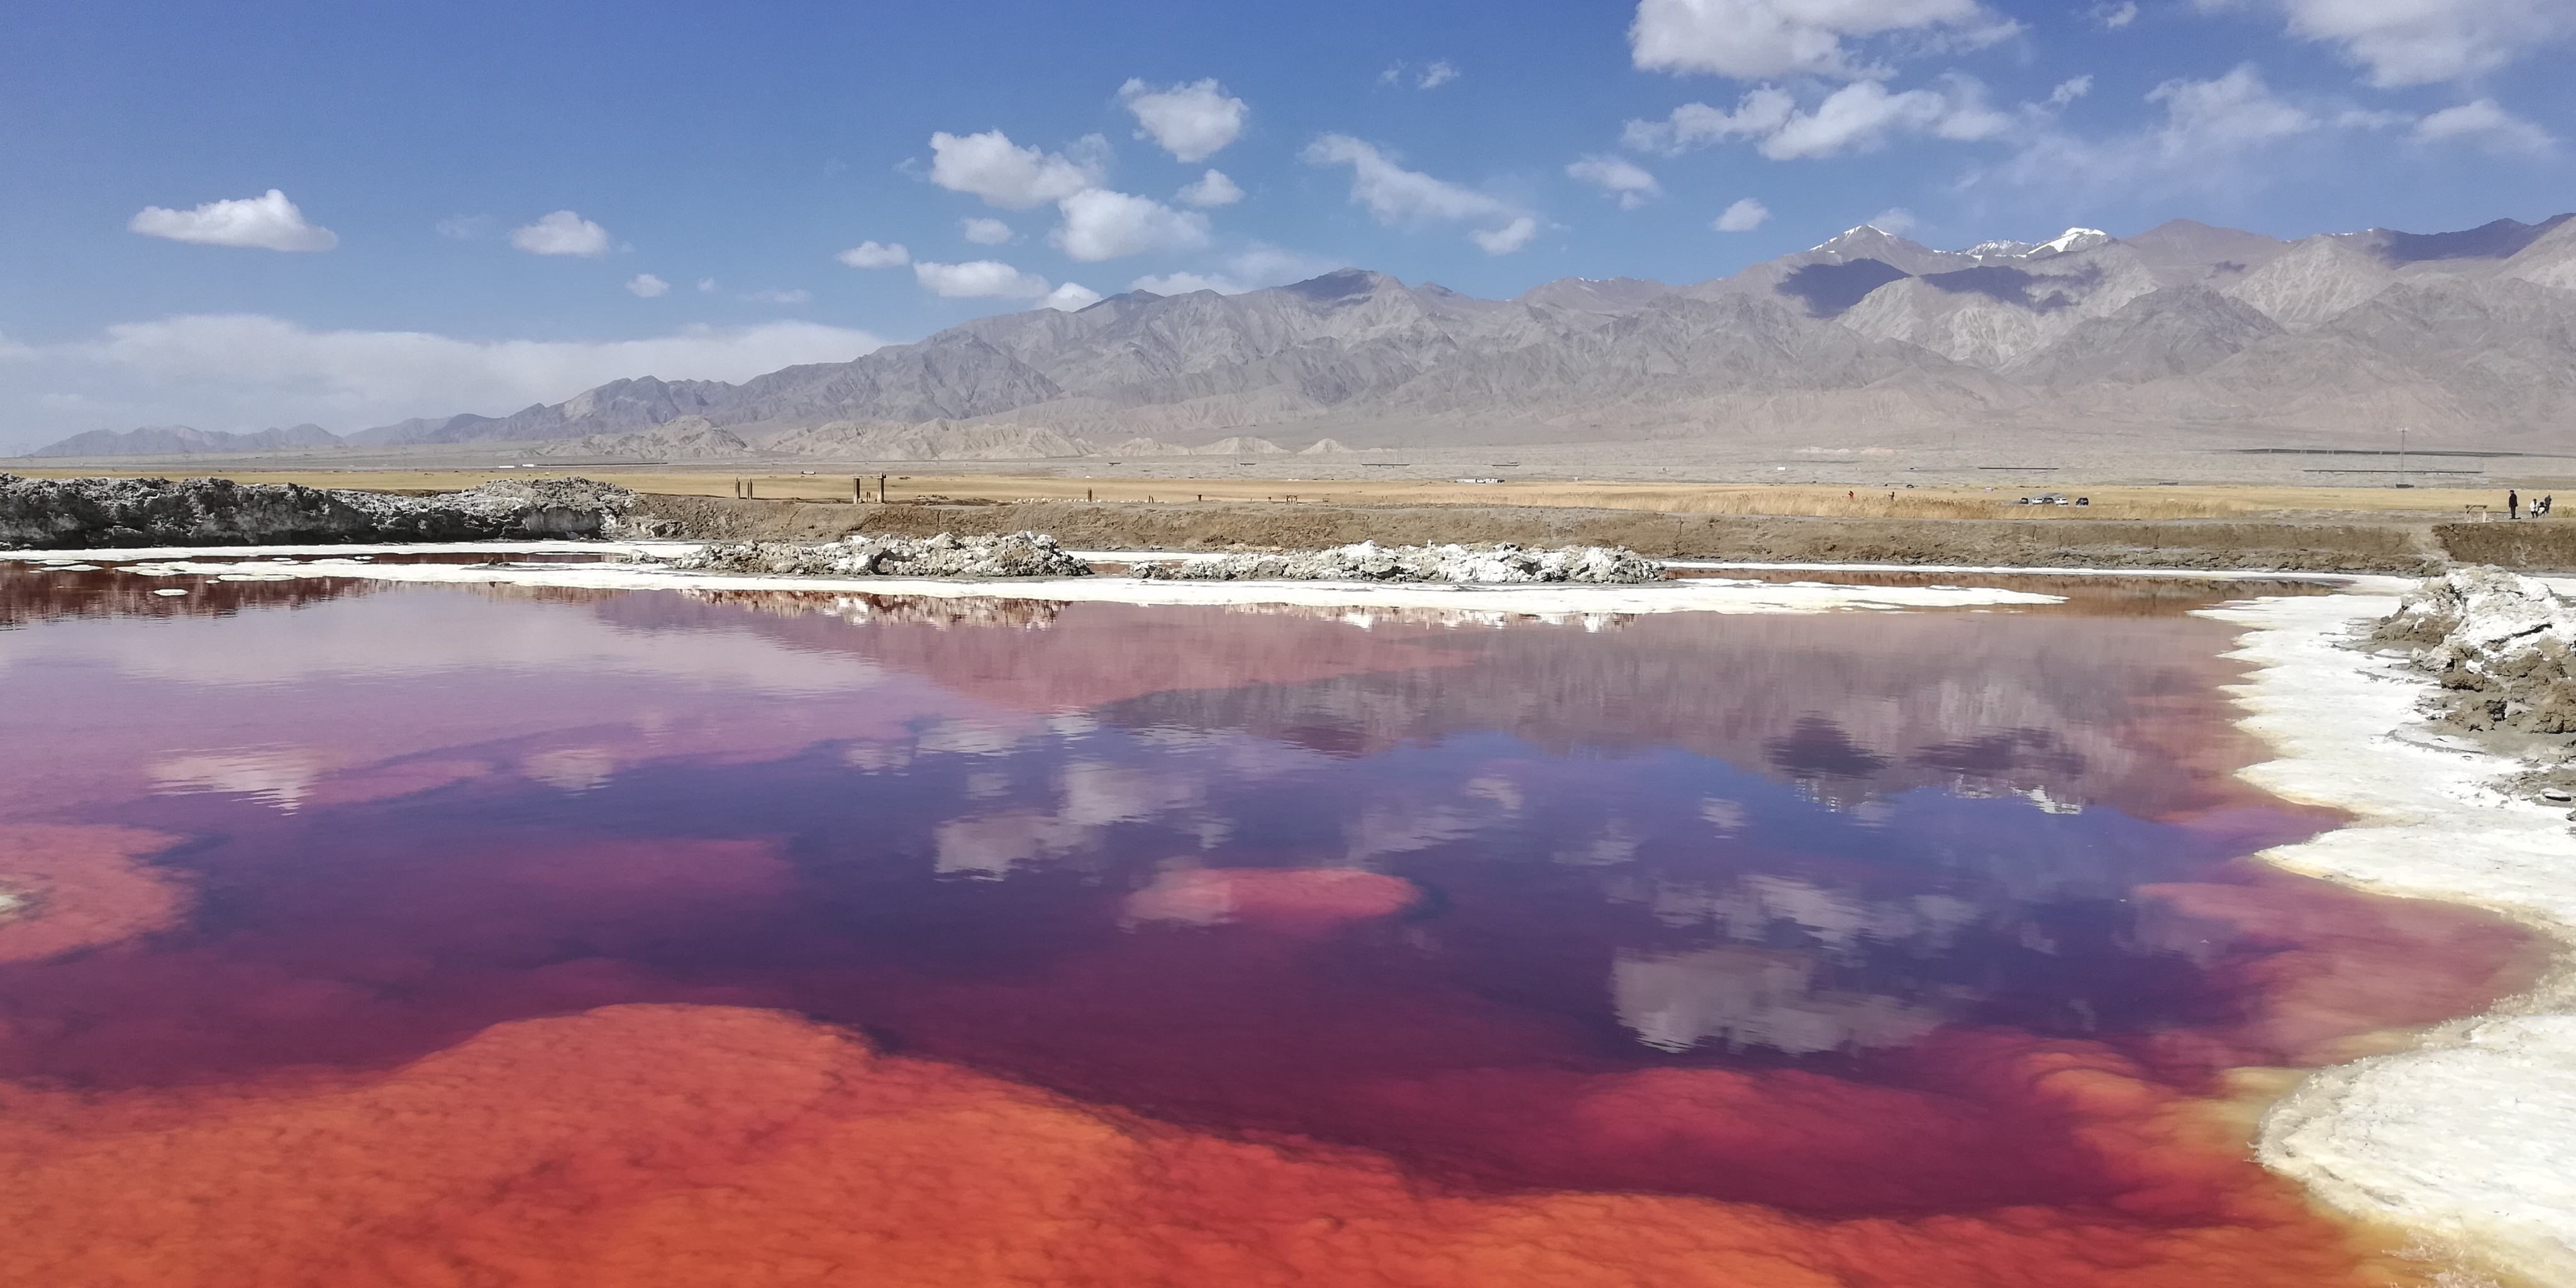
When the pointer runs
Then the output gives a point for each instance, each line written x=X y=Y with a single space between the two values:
x=1689 y=595
x=2469 y=1139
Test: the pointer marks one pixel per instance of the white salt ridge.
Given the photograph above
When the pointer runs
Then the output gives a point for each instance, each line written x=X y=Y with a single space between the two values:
x=1693 y=595
x=2471 y=1138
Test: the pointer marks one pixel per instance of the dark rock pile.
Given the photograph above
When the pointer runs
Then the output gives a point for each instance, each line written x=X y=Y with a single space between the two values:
x=85 y=513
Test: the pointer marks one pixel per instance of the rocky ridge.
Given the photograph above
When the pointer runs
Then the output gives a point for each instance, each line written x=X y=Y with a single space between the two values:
x=46 y=514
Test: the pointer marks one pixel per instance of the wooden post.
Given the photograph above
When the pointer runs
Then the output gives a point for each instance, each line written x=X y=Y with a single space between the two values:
x=858 y=490
x=881 y=492
x=751 y=489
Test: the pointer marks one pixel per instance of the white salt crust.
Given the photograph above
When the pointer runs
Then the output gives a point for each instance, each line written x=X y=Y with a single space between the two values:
x=2469 y=1139
x=1696 y=595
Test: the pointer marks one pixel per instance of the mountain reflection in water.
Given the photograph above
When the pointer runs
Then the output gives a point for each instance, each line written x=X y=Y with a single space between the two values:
x=1816 y=914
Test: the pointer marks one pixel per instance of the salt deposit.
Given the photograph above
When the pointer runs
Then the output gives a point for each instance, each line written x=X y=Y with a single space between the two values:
x=1499 y=564
x=651 y=568
x=1018 y=554
x=2500 y=645
x=2466 y=1138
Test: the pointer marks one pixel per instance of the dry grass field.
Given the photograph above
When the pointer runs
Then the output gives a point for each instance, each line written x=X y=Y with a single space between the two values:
x=2186 y=501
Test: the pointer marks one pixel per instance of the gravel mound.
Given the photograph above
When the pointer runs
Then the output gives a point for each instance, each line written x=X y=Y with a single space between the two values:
x=2500 y=644
x=52 y=514
x=1017 y=554
x=1496 y=564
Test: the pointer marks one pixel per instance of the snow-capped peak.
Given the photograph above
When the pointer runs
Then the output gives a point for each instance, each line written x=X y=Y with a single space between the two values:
x=2072 y=239
x=1997 y=249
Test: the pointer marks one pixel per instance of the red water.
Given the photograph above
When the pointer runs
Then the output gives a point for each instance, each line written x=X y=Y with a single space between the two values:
x=439 y=936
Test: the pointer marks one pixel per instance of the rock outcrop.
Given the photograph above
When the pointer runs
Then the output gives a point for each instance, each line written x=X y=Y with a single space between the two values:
x=2503 y=647
x=1017 y=554
x=82 y=513
x=1498 y=564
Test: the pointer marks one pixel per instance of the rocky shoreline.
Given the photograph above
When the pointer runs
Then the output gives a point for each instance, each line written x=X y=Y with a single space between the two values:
x=102 y=513
x=1484 y=564
x=2502 y=647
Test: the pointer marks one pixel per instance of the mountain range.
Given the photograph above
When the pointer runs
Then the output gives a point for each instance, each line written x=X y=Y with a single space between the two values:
x=2187 y=331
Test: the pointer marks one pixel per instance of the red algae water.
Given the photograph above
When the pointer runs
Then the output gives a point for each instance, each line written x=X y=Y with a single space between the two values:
x=360 y=935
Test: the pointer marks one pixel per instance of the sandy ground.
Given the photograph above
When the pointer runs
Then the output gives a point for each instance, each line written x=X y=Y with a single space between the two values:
x=1274 y=482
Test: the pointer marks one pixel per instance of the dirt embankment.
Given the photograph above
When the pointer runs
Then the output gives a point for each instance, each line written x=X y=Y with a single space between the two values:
x=2313 y=546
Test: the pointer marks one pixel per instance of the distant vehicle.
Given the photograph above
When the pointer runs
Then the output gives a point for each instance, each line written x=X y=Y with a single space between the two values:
x=2051 y=498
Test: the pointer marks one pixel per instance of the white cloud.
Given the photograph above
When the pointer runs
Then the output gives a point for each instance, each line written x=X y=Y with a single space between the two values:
x=647 y=285
x=1395 y=195
x=1184 y=283
x=1761 y=112
x=250 y=371
x=1437 y=75
x=2487 y=126
x=985 y=232
x=1751 y=39
x=1896 y=220
x=2418 y=42
x=463 y=227
x=561 y=233
x=1859 y=117
x=775 y=296
x=1506 y=239
x=269 y=222
x=707 y=285
x=1072 y=297
x=990 y=166
x=1192 y=122
x=2225 y=117
x=866 y=254
x=2069 y=90
x=1744 y=216
x=1624 y=180
x=1264 y=265
x=1211 y=189
x=1100 y=224
x=981 y=279
x=2115 y=16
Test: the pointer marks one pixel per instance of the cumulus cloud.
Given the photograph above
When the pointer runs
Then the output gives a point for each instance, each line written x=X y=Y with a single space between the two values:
x=1436 y=75
x=1760 y=112
x=1744 y=216
x=1100 y=224
x=1072 y=297
x=2115 y=16
x=776 y=296
x=248 y=371
x=268 y=222
x=1624 y=180
x=990 y=166
x=980 y=279
x=866 y=254
x=1395 y=195
x=1211 y=189
x=2485 y=125
x=2224 y=117
x=2069 y=90
x=1184 y=283
x=1895 y=219
x=648 y=286
x=561 y=233
x=1506 y=239
x=985 y=232
x=1860 y=116
x=1753 y=39
x=2419 y=42
x=1192 y=122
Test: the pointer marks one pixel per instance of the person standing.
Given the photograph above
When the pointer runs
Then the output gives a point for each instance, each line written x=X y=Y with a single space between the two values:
x=2512 y=504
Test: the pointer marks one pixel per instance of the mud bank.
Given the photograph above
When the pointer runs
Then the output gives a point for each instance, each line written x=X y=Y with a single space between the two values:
x=2312 y=546
x=78 y=514
x=2463 y=1139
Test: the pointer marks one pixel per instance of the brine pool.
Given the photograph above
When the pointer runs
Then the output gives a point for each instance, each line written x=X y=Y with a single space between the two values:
x=368 y=934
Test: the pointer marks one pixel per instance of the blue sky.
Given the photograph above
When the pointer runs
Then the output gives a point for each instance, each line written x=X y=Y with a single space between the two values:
x=479 y=200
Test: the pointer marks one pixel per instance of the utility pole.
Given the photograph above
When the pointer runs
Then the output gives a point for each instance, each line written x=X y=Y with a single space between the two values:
x=2401 y=457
